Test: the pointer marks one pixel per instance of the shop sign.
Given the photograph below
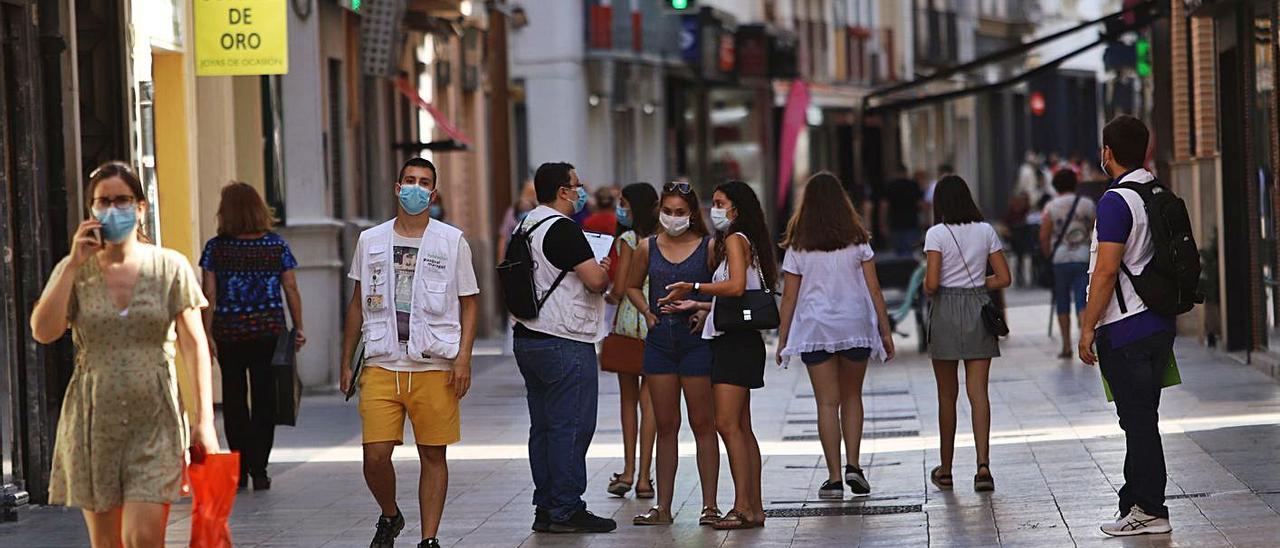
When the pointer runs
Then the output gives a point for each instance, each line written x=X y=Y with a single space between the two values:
x=241 y=37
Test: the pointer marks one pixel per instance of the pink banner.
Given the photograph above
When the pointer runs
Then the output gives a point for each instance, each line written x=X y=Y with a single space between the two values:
x=793 y=120
x=409 y=91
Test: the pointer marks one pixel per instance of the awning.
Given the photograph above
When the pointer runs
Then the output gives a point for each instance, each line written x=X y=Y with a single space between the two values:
x=407 y=89
x=1146 y=12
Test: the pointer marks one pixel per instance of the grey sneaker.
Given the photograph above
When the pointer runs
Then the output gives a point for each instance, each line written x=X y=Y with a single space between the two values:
x=857 y=481
x=1137 y=523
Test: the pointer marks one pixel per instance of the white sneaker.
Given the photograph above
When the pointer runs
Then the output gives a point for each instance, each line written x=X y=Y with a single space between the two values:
x=1137 y=523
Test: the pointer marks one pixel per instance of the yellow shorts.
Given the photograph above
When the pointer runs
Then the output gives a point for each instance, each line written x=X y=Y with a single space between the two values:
x=387 y=396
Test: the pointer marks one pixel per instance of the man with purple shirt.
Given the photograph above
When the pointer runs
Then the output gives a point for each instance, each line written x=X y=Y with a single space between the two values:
x=1133 y=344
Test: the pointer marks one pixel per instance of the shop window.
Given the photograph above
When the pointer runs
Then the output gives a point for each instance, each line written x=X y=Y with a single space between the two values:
x=273 y=146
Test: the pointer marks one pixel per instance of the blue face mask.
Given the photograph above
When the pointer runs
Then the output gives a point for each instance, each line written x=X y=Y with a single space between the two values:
x=117 y=223
x=414 y=199
x=624 y=216
x=582 y=200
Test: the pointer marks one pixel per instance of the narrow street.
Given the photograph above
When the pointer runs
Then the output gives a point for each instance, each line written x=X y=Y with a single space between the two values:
x=1057 y=457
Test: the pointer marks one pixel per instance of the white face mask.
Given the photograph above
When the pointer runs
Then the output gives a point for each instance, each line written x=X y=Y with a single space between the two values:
x=674 y=226
x=720 y=218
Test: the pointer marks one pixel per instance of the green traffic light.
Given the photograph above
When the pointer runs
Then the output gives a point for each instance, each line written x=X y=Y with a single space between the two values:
x=679 y=4
x=355 y=4
x=1142 y=51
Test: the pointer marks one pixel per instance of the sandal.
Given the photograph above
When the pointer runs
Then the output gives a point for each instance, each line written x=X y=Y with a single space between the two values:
x=733 y=521
x=710 y=515
x=645 y=493
x=942 y=481
x=655 y=516
x=617 y=487
x=983 y=482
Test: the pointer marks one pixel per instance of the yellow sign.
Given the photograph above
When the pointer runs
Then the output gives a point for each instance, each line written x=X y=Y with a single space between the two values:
x=241 y=37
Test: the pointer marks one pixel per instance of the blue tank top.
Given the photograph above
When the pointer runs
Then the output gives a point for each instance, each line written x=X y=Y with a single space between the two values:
x=663 y=272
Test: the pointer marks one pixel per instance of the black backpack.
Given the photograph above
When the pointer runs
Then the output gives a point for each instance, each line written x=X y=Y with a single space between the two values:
x=515 y=275
x=1170 y=283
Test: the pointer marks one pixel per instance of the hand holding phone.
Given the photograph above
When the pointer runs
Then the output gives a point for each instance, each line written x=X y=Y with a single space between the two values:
x=88 y=240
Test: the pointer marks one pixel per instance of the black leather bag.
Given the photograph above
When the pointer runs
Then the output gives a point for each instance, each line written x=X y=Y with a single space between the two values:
x=288 y=387
x=755 y=309
x=992 y=317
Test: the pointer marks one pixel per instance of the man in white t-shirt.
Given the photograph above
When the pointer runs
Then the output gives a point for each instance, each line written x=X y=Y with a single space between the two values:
x=414 y=306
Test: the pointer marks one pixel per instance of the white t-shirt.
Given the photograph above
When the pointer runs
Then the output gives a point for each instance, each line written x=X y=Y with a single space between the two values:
x=404 y=258
x=977 y=242
x=834 y=309
x=1076 y=241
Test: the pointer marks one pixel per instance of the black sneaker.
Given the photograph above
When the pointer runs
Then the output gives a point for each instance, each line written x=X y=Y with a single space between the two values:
x=831 y=490
x=429 y=543
x=541 y=521
x=857 y=482
x=584 y=522
x=261 y=482
x=388 y=530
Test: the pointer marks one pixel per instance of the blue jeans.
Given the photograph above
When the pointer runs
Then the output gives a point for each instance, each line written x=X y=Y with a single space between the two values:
x=905 y=240
x=562 y=392
x=1134 y=372
x=1070 y=280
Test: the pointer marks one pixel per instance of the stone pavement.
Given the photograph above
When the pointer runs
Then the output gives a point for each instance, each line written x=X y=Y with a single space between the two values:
x=1057 y=456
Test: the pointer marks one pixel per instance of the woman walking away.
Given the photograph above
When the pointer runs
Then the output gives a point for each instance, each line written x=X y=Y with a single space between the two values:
x=245 y=268
x=1064 y=236
x=834 y=319
x=958 y=249
x=637 y=219
x=675 y=357
x=744 y=253
x=121 y=436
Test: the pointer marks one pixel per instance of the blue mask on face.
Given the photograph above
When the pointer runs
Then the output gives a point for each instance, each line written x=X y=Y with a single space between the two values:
x=414 y=199
x=624 y=216
x=117 y=223
x=582 y=200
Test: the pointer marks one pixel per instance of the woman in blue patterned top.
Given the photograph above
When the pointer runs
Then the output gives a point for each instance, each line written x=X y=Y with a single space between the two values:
x=246 y=267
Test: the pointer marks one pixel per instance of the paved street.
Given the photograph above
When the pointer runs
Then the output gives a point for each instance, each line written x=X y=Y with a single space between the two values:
x=1057 y=457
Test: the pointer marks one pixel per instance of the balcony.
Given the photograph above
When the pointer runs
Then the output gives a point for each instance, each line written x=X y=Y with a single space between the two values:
x=936 y=37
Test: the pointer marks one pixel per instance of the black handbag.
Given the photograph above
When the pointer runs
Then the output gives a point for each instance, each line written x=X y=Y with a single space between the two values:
x=755 y=309
x=284 y=372
x=992 y=317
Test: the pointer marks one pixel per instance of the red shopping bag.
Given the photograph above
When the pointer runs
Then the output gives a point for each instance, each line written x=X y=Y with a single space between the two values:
x=213 y=492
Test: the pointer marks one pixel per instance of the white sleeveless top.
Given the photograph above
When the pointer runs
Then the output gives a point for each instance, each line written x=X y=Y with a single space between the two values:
x=721 y=274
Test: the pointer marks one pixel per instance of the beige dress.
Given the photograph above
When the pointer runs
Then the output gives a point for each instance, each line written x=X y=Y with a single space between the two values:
x=122 y=434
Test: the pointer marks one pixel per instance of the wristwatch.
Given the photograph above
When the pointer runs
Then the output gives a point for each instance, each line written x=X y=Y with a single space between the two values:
x=697 y=287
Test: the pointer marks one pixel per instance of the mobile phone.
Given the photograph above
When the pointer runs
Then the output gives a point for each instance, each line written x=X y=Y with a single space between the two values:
x=97 y=235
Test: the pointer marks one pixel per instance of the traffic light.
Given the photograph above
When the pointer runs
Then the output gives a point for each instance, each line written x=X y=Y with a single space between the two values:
x=353 y=5
x=681 y=6
x=1142 y=50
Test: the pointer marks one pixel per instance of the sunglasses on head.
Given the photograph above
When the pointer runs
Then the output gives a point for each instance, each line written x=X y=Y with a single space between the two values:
x=683 y=188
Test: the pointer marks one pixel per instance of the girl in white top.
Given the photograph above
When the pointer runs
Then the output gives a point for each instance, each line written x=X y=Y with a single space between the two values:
x=958 y=249
x=834 y=319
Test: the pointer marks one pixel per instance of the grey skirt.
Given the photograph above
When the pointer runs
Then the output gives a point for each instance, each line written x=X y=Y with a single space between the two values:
x=956 y=330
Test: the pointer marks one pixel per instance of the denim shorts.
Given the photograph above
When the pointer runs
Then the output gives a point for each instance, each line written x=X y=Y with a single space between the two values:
x=671 y=348
x=851 y=354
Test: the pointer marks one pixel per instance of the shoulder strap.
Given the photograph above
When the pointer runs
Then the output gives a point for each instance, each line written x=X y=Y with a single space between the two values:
x=563 y=273
x=538 y=224
x=960 y=250
x=755 y=261
x=1062 y=234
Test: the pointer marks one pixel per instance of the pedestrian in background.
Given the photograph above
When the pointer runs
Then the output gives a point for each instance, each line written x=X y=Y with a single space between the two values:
x=414 y=307
x=604 y=219
x=832 y=321
x=958 y=249
x=1064 y=236
x=1021 y=238
x=744 y=255
x=676 y=359
x=247 y=267
x=900 y=208
x=556 y=354
x=636 y=214
x=1133 y=343
x=122 y=435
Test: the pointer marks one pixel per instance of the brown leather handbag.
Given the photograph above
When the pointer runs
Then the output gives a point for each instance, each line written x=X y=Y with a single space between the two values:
x=622 y=354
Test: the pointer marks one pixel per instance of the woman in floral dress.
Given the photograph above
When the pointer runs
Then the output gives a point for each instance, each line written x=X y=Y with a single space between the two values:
x=121 y=438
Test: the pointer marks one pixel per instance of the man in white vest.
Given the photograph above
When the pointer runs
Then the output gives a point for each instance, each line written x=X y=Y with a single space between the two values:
x=1131 y=343
x=414 y=305
x=557 y=356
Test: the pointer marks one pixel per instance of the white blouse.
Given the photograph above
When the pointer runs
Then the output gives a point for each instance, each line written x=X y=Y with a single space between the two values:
x=721 y=274
x=834 y=308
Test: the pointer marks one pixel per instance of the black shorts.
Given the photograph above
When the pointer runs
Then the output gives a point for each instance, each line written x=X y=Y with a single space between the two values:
x=737 y=358
x=860 y=354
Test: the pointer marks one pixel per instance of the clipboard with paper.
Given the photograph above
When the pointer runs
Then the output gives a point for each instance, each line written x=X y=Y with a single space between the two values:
x=600 y=244
x=1170 y=377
